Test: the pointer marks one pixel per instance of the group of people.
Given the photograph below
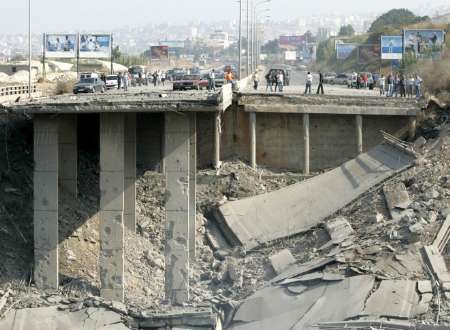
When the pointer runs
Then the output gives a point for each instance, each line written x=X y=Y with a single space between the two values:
x=274 y=81
x=395 y=85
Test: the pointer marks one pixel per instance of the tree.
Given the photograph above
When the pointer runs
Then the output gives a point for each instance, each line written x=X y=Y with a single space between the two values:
x=346 y=31
x=271 y=47
x=116 y=53
x=396 y=18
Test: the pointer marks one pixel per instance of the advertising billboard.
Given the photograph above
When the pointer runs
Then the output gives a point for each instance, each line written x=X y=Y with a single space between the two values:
x=95 y=45
x=291 y=41
x=424 y=43
x=343 y=51
x=60 y=45
x=290 y=55
x=160 y=53
x=368 y=53
x=391 y=47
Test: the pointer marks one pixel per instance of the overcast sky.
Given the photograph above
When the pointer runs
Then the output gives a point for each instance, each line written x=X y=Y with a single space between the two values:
x=102 y=15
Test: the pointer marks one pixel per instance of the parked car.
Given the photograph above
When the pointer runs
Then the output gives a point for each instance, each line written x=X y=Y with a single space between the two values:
x=112 y=81
x=340 y=79
x=328 y=77
x=284 y=70
x=89 y=85
x=190 y=82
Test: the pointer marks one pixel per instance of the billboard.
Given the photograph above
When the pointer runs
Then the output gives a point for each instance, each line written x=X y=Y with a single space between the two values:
x=424 y=43
x=391 y=47
x=60 y=45
x=95 y=45
x=290 y=55
x=368 y=53
x=343 y=51
x=292 y=41
x=160 y=53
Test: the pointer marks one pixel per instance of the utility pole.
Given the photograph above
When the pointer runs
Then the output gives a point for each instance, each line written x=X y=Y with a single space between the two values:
x=29 y=49
x=248 y=37
x=240 y=40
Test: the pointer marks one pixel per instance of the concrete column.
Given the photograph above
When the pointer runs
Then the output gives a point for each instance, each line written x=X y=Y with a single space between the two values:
x=46 y=161
x=359 y=134
x=163 y=145
x=252 y=123
x=412 y=128
x=68 y=155
x=177 y=156
x=306 y=169
x=192 y=183
x=112 y=182
x=217 y=133
x=129 y=214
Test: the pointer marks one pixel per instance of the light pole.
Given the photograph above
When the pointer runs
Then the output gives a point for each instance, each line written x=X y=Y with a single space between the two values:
x=248 y=38
x=240 y=40
x=29 y=49
x=255 y=32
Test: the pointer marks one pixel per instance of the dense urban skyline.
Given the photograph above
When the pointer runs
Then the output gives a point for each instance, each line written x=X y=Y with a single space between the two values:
x=102 y=15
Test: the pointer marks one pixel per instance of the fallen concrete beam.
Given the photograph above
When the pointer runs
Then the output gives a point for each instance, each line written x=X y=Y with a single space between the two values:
x=443 y=236
x=297 y=208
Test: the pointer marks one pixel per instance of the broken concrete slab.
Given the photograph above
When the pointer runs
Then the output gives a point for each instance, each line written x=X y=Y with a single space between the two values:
x=437 y=263
x=296 y=270
x=339 y=229
x=184 y=318
x=397 y=199
x=256 y=220
x=281 y=260
x=275 y=308
x=424 y=287
x=443 y=235
x=52 y=318
x=378 y=324
x=394 y=298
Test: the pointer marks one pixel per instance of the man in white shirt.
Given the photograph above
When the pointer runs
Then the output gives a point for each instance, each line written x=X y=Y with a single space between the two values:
x=309 y=80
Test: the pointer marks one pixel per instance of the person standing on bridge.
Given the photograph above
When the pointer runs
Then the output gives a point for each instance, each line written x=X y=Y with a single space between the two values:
x=268 y=82
x=255 y=81
x=382 y=84
x=320 y=87
x=125 y=81
x=280 y=81
x=212 y=80
x=309 y=81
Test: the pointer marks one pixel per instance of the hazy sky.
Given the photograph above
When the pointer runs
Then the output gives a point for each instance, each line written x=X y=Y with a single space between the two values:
x=101 y=15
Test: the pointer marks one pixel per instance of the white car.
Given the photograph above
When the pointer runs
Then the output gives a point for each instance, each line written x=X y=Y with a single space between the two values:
x=112 y=81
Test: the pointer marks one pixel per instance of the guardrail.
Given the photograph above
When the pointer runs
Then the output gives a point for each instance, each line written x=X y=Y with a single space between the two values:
x=16 y=90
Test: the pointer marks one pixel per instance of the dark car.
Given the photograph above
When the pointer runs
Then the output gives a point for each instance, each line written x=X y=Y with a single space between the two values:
x=89 y=85
x=220 y=79
x=284 y=70
x=190 y=82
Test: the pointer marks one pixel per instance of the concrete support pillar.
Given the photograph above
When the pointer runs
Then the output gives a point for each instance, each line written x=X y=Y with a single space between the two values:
x=252 y=123
x=129 y=214
x=359 y=134
x=112 y=183
x=217 y=133
x=163 y=145
x=68 y=155
x=177 y=145
x=412 y=126
x=46 y=161
x=306 y=169
x=192 y=183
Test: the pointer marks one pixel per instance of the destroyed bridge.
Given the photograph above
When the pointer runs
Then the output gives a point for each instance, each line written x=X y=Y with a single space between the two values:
x=179 y=132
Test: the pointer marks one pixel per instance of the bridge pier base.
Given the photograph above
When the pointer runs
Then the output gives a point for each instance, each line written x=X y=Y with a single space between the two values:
x=68 y=155
x=129 y=216
x=306 y=167
x=217 y=133
x=412 y=126
x=252 y=124
x=359 y=134
x=46 y=168
x=112 y=184
x=178 y=160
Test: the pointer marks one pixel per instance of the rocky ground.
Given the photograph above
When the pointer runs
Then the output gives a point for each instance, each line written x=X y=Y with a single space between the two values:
x=377 y=246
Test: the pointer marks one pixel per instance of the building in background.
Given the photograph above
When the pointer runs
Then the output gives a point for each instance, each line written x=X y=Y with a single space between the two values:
x=219 y=40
